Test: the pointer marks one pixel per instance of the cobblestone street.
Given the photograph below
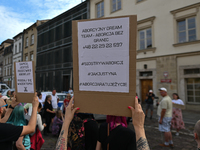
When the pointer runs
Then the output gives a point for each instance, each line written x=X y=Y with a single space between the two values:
x=185 y=141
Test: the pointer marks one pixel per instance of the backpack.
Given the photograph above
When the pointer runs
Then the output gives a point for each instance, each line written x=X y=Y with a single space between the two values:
x=76 y=134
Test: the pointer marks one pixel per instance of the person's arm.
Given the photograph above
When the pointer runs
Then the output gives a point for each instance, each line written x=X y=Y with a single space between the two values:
x=69 y=114
x=50 y=111
x=138 y=117
x=98 y=147
x=9 y=110
x=39 y=122
x=58 y=99
x=30 y=128
x=19 y=144
x=162 y=115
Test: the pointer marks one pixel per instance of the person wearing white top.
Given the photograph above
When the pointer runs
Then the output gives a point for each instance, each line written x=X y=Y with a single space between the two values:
x=177 y=118
x=54 y=100
x=70 y=91
x=40 y=98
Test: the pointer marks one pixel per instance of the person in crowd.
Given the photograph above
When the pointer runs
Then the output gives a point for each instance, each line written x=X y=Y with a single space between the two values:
x=57 y=123
x=55 y=100
x=12 y=93
x=115 y=135
x=197 y=134
x=149 y=102
x=8 y=94
x=138 y=123
x=28 y=109
x=17 y=118
x=40 y=98
x=9 y=132
x=177 y=117
x=48 y=113
x=70 y=91
x=0 y=95
x=36 y=137
x=66 y=102
x=165 y=116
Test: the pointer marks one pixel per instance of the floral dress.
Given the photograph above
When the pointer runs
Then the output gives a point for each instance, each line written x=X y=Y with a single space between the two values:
x=177 y=118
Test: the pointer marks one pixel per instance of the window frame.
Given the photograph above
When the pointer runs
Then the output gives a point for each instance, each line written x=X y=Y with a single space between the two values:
x=32 y=39
x=193 y=90
x=15 y=51
x=31 y=59
x=145 y=38
x=186 y=29
x=100 y=3
x=116 y=7
x=26 y=41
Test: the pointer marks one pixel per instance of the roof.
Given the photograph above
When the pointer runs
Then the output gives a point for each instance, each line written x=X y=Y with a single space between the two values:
x=8 y=41
x=37 y=23
x=18 y=35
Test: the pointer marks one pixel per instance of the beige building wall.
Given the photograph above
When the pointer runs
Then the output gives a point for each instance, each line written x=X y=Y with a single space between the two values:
x=30 y=42
x=166 y=54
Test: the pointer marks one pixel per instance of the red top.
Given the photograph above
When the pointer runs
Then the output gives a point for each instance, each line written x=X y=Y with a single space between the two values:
x=66 y=102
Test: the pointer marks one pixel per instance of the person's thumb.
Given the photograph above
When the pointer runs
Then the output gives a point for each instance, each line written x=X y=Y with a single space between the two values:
x=75 y=109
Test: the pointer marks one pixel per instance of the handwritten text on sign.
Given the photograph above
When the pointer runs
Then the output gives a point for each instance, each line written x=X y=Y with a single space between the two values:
x=103 y=47
x=24 y=77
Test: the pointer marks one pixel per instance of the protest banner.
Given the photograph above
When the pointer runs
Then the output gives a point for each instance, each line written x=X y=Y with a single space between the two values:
x=104 y=64
x=24 y=81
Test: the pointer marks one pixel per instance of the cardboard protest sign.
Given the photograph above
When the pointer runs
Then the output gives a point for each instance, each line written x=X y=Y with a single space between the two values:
x=24 y=81
x=178 y=106
x=104 y=64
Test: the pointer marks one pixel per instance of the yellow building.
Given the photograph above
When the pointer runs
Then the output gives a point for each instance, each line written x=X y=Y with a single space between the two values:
x=30 y=41
x=168 y=44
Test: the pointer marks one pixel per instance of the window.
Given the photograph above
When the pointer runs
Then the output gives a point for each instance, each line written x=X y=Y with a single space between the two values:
x=100 y=9
x=116 y=5
x=31 y=57
x=187 y=30
x=19 y=47
x=32 y=39
x=193 y=90
x=145 y=38
x=146 y=73
x=5 y=62
x=192 y=71
x=8 y=60
x=26 y=58
x=26 y=42
x=15 y=49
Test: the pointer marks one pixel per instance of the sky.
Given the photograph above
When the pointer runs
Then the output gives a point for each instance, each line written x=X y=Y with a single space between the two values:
x=17 y=15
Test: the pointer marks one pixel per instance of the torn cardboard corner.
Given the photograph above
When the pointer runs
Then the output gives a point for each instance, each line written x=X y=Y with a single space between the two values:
x=104 y=64
x=24 y=81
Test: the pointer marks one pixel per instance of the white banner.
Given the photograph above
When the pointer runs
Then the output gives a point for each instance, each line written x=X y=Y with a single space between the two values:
x=24 y=77
x=103 y=47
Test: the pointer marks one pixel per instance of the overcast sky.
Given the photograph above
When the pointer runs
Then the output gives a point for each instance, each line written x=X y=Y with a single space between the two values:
x=16 y=15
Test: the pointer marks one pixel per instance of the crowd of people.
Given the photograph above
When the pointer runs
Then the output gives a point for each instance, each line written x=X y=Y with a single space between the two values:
x=22 y=127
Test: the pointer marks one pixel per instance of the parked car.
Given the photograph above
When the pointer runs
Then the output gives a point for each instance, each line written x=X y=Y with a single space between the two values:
x=3 y=87
x=5 y=91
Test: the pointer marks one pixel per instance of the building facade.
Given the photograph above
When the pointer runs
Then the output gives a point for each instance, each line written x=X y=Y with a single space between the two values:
x=30 y=41
x=7 y=67
x=54 y=50
x=17 y=53
x=168 y=44
x=3 y=46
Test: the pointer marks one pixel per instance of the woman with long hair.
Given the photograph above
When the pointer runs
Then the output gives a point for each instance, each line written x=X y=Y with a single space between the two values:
x=57 y=123
x=114 y=135
x=177 y=117
x=17 y=118
x=48 y=113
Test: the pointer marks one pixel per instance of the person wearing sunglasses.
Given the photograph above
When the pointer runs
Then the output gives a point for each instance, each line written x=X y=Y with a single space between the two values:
x=9 y=132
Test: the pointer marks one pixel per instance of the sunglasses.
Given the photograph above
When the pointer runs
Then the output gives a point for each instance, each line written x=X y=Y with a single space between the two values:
x=4 y=105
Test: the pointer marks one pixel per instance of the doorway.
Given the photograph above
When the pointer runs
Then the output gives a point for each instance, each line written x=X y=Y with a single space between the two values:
x=66 y=83
x=146 y=85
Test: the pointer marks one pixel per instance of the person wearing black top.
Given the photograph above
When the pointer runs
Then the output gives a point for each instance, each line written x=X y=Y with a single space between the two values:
x=149 y=102
x=48 y=113
x=10 y=133
x=119 y=137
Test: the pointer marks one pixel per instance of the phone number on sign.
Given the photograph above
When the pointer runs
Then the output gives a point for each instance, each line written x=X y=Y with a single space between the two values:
x=107 y=45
